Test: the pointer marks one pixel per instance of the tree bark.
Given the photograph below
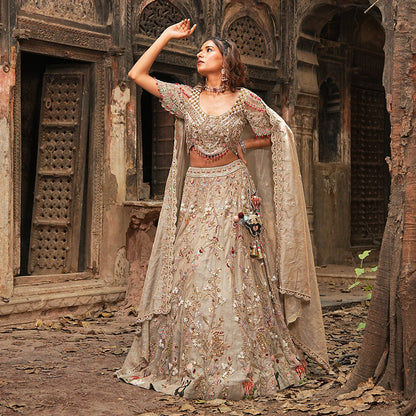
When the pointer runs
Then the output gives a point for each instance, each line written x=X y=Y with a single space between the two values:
x=388 y=352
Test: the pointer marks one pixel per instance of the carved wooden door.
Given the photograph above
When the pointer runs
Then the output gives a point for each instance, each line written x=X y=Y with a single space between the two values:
x=368 y=166
x=162 y=147
x=60 y=173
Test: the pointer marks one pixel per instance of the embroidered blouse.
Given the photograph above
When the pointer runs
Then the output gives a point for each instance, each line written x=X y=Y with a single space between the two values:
x=213 y=135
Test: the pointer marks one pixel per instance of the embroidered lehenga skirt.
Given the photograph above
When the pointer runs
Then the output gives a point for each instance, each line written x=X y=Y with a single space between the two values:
x=225 y=334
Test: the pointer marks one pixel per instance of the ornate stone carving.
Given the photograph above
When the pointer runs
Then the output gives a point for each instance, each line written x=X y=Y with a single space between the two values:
x=121 y=266
x=156 y=16
x=248 y=36
x=98 y=163
x=76 y=10
x=34 y=29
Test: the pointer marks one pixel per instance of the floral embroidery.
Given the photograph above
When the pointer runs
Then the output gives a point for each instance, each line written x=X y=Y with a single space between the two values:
x=223 y=336
x=212 y=136
x=216 y=328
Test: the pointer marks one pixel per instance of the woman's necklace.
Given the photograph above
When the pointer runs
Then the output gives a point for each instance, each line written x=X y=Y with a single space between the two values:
x=215 y=90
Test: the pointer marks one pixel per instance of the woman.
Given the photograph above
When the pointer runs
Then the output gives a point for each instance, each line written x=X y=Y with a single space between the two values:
x=230 y=245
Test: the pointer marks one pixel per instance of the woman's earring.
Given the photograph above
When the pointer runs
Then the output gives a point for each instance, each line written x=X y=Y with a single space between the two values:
x=224 y=78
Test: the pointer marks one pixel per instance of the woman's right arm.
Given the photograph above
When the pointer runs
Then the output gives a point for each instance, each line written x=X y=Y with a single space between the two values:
x=139 y=73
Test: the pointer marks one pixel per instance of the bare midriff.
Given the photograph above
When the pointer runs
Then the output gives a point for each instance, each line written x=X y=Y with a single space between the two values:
x=198 y=161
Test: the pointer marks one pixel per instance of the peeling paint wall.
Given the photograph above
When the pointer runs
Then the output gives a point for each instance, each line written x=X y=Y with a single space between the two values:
x=7 y=81
x=115 y=220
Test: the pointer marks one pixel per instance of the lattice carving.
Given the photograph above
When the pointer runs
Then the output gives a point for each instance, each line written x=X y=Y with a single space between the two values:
x=50 y=248
x=248 y=36
x=76 y=10
x=57 y=149
x=156 y=16
x=54 y=198
x=59 y=180
x=367 y=165
x=62 y=99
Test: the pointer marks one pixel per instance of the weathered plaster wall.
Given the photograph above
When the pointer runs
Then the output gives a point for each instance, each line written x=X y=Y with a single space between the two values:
x=7 y=81
x=115 y=222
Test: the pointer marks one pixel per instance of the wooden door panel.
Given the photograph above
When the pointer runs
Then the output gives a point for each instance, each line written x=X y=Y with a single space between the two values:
x=162 y=147
x=60 y=173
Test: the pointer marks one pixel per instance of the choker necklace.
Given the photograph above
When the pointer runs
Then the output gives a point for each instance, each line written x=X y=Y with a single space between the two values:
x=215 y=90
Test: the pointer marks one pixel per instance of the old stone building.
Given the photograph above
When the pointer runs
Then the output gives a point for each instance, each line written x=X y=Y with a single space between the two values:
x=85 y=153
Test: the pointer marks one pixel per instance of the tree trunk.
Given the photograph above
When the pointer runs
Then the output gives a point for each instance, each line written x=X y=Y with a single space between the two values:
x=388 y=352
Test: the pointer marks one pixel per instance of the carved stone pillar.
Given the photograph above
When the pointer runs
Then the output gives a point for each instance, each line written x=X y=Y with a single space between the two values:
x=303 y=128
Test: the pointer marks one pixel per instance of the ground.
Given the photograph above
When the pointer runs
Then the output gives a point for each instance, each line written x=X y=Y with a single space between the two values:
x=65 y=367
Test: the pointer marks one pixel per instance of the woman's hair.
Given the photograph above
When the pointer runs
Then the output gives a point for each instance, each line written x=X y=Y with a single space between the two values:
x=234 y=68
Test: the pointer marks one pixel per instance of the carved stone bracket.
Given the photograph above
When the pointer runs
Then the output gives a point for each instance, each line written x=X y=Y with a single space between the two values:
x=21 y=34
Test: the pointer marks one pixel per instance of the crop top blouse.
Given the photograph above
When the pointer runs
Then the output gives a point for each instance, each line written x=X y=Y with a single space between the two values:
x=211 y=135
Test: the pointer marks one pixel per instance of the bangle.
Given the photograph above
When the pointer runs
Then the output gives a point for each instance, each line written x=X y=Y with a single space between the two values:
x=243 y=146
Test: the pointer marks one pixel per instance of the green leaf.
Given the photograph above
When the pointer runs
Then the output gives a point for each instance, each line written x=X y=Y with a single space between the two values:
x=373 y=269
x=359 y=271
x=353 y=285
x=368 y=288
x=364 y=254
x=369 y=295
x=361 y=326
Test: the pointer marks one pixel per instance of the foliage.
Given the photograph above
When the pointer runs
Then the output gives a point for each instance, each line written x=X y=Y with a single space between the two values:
x=359 y=271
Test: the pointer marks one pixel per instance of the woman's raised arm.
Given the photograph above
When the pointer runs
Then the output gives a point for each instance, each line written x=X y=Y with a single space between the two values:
x=139 y=73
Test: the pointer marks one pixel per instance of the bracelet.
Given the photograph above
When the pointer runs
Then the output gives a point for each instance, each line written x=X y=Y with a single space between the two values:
x=243 y=146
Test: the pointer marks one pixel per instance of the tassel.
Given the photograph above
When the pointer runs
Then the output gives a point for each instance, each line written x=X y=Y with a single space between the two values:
x=260 y=254
x=253 y=252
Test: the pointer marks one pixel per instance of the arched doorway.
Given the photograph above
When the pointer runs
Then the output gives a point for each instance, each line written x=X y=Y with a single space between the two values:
x=351 y=140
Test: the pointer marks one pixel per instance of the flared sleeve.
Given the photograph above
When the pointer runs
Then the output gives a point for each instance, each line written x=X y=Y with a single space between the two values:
x=174 y=97
x=256 y=115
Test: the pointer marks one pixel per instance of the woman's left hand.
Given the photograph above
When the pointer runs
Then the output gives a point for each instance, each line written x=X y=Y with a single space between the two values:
x=240 y=154
x=180 y=30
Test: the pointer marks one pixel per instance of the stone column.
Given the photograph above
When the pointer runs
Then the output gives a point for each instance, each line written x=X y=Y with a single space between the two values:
x=303 y=128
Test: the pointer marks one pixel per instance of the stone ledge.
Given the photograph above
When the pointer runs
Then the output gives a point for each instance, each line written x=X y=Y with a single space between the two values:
x=144 y=203
x=30 y=302
x=338 y=273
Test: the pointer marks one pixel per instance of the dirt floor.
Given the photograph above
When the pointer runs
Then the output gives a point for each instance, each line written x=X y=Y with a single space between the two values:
x=66 y=367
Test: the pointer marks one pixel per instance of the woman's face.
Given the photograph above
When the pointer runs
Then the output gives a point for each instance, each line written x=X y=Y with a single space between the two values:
x=209 y=59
